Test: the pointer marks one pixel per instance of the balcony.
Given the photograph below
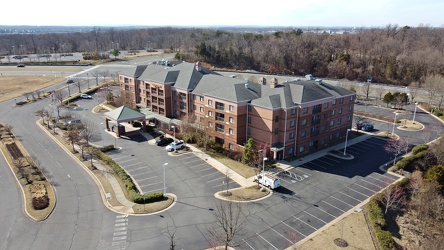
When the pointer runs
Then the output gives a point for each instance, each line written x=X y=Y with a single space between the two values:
x=160 y=92
x=219 y=118
x=220 y=106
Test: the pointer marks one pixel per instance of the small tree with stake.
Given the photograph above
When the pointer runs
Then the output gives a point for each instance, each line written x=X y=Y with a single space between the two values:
x=396 y=147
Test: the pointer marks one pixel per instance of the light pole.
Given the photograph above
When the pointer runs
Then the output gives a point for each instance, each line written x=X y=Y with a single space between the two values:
x=164 y=183
x=346 y=139
x=174 y=129
x=414 y=112
x=394 y=121
x=263 y=164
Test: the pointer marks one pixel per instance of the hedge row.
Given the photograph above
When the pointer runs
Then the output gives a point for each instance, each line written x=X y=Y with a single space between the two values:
x=406 y=161
x=377 y=220
x=420 y=148
x=133 y=192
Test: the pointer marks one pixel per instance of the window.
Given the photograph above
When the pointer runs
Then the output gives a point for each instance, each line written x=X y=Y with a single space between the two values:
x=202 y=109
x=194 y=107
x=231 y=146
x=305 y=110
x=304 y=122
x=291 y=135
x=350 y=108
x=337 y=135
x=210 y=102
x=231 y=108
x=290 y=151
x=231 y=120
x=175 y=103
x=276 y=131
x=341 y=100
x=231 y=131
x=248 y=131
x=349 y=118
x=249 y=119
x=293 y=111
x=333 y=112
x=334 y=101
x=351 y=98
x=311 y=144
x=276 y=118
x=210 y=124
x=220 y=128
x=301 y=149
x=322 y=141
x=249 y=108
x=194 y=97
x=326 y=105
x=201 y=119
x=303 y=133
x=292 y=122
x=339 y=121
x=175 y=93
x=323 y=127
x=332 y=123
x=330 y=137
x=220 y=106
x=340 y=111
x=202 y=99
x=210 y=113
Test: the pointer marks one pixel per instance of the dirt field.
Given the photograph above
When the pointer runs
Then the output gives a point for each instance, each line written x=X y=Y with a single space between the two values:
x=15 y=86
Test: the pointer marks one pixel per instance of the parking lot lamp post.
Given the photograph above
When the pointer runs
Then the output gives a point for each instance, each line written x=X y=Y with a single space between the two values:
x=346 y=139
x=174 y=130
x=414 y=112
x=394 y=121
x=164 y=183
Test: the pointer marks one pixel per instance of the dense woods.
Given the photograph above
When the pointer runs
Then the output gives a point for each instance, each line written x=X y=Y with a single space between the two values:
x=395 y=55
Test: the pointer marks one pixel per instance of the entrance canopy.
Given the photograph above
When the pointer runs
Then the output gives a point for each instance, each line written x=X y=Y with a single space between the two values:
x=123 y=114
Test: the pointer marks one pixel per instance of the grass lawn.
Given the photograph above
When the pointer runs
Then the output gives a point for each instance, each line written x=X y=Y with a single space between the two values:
x=238 y=167
x=246 y=194
x=15 y=86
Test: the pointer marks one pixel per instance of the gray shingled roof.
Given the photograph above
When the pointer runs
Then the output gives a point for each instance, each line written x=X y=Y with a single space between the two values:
x=124 y=113
x=227 y=88
x=297 y=92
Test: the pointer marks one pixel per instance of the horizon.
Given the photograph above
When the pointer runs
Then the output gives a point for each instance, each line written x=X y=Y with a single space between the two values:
x=309 y=13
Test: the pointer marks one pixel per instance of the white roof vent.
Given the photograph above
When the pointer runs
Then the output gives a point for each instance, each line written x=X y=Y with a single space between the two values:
x=246 y=85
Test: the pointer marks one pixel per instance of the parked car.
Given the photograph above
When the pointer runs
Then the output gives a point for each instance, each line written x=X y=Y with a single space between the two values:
x=367 y=127
x=164 y=141
x=21 y=66
x=358 y=126
x=175 y=146
x=85 y=96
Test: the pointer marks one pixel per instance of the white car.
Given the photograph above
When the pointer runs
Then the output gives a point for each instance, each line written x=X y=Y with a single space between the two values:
x=175 y=145
x=85 y=96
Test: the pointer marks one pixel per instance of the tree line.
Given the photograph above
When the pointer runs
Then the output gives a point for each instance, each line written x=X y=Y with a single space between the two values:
x=392 y=55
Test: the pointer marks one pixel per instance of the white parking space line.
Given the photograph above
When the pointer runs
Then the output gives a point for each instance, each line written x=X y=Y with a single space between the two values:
x=341 y=201
x=205 y=169
x=136 y=169
x=386 y=177
x=248 y=244
x=141 y=173
x=376 y=179
x=289 y=182
x=137 y=163
x=333 y=206
x=216 y=172
x=133 y=159
x=201 y=164
x=144 y=179
x=315 y=165
x=267 y=241
x=120 y=157
x=350 y=196
x=282 y=235
x=326 y=213
x=217 y=179
x=120 y=229
x=371 y=183
x=374 y=191
x=155 y=190
x=315 y=216
x=119 y=238
x=325 y=162
x=122 y=216
x=294 y=229
x=120 y=233
x=190 y=162
x=151 y=184
x=305 y=223
x=120 y=224
x=356 y=191
x=331 y=158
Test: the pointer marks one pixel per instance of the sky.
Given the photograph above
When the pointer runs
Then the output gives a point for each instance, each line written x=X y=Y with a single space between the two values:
x=199 y=13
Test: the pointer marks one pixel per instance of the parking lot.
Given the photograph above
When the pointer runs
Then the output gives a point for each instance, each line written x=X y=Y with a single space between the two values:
x=317 y=192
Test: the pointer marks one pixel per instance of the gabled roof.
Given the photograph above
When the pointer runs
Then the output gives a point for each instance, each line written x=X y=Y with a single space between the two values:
x=227 y=88
x=124 y=113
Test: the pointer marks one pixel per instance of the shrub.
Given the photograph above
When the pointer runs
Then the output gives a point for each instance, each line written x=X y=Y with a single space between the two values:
x=147 y=198
x=107 y=148
x=385 y=239
x=376 y=215
x=419 y=148
x=39 y=203
x=404 y=182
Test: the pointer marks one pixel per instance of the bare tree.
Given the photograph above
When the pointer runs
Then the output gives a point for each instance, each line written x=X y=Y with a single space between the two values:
x=74 y=136
x=42 y=113
x=78 y=84
x=96 y=75
x=88 y=131
x=437 y=150
x=171 y=235
x=230 y=220
x=379 y=91
x=393 y=198
x=105 y=74
x=92 y=152
x=396 y=147
x=59 y=95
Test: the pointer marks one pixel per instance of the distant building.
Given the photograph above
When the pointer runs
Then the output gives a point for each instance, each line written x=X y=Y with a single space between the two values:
x=290 y=119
